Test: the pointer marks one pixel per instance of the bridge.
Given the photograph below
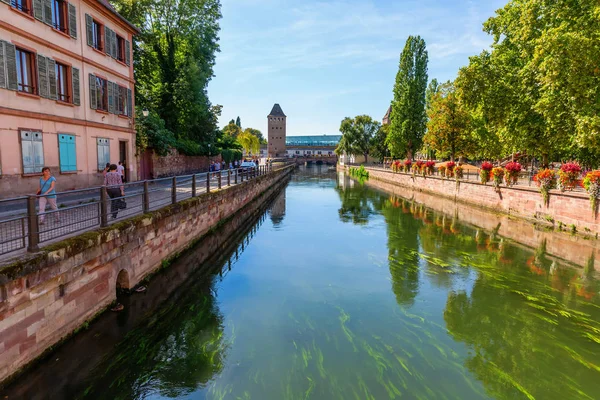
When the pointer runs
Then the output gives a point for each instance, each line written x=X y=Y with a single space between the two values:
x=316 y=160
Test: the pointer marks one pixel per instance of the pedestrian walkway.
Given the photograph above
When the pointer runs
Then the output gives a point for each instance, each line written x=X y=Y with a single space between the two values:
x=88 y=209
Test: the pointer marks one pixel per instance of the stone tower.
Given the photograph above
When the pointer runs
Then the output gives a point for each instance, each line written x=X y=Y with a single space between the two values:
x=276 y=135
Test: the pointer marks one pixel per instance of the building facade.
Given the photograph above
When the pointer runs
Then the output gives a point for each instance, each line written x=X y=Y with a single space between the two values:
x=387 y=116
x=276 y=127
x=66 y=93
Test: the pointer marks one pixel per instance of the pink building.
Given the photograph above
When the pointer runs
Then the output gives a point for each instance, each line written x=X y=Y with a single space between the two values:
x=66 y=93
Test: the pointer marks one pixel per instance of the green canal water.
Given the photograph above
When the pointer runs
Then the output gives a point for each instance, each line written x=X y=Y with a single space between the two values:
x=342 y=292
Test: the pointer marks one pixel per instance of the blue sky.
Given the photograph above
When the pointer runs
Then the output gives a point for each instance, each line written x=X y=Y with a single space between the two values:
x=326 y=60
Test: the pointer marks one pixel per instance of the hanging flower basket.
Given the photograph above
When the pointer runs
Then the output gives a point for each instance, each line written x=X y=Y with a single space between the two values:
x=497 y=177
x=569 y=175
x=442 y=170
x=591 y=184
x=407 y=165
x=512 y=173
x=545 y=180
x=396 y=166
x=450 y=169
x=485 y=173
x=430 y=166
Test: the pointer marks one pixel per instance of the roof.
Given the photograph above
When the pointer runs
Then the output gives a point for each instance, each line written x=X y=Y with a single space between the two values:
x=111 y=9
x=387 y=114
x=276 y=111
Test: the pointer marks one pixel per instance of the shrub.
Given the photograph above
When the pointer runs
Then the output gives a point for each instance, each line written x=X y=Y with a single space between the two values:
x=545 y=180
x=485 y=172
x=512 y=173
x=361 y=173
x=569 y=176
x=591 y=184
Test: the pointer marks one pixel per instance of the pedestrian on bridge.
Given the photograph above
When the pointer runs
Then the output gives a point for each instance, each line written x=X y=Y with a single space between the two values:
x=114 y=188
x=47 y=193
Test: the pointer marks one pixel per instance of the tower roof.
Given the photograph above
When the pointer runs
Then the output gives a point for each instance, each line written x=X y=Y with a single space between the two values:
x=276 y=111
x=388 y=113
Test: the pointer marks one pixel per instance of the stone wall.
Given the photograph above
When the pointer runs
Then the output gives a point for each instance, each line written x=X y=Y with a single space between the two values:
x=521 y=201
x=46 y=296
x=179 y=164
x=574 y=249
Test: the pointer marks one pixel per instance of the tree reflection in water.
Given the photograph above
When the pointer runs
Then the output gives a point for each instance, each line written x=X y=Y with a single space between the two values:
x=175 y=352
x=531 y=322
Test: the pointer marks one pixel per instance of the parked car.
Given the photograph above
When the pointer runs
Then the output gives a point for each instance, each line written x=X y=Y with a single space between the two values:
x=247 y=165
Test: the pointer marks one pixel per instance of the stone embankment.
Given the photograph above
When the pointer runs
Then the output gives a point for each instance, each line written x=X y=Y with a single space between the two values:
x=566 y=209
x=44 y=297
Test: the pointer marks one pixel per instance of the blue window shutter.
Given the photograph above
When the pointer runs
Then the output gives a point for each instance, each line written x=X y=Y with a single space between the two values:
x=68 y=158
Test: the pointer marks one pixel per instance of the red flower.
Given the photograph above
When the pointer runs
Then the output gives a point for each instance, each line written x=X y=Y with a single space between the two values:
x=487 y=166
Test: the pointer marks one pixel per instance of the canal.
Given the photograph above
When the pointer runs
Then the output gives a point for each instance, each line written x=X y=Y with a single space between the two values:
x=338 y=291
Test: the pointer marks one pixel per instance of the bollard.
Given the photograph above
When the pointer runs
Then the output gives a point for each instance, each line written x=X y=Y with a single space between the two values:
x=219 y=180
x=33 y=225
x=194 y=185
x=208 y=182
x=228 y=177
x=146 y=206
x=236 y=174
x=103 y=207
x=174 y=191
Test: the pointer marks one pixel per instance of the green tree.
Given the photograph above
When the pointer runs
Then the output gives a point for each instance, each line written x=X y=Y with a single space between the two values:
x=379 y=148
x=256 y=133
x=357 y=134
x=238 y=122
x=448 y=124
x=408 y=118
x=232 y=130
x=174 y=55
x=249 y=142
x=432 y=90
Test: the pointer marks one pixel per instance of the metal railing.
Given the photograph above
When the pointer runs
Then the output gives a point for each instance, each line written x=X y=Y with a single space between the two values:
x=24 y=226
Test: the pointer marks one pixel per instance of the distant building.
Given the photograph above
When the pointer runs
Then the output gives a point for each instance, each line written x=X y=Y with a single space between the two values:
x=307 y=146
x=276 y=132
x=386 y=117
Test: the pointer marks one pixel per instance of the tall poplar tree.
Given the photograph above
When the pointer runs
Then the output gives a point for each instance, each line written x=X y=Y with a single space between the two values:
x=238 y=122
x=408 y=117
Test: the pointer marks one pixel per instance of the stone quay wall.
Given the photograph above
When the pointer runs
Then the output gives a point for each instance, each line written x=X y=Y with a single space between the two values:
x=573 y=249
x=46 y=296
x=570 y=208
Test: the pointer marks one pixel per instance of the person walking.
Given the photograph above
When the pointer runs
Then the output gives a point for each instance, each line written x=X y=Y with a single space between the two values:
x=106 y=168
x=47 y=193
x=121 y=171
x=114 y=188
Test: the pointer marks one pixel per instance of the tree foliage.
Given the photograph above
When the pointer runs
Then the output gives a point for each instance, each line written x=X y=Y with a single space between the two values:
x=538 y=89
x=257 y=133
x=249 y=142
x=357 y=134
x=379 y=148
x=448 y=124
x=232 y=130
x=238 y=122
x=174 y=57
x=408 y=118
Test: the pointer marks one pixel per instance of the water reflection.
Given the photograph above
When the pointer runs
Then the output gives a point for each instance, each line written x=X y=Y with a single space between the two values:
x=531 y=322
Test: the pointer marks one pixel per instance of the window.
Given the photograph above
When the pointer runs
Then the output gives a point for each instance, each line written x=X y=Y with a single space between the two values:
x=62 y=82
x=101 y=94
x=103 y=153
x=22 y=5
x=120 y=49
x=32 y=150
x=96 y=35
x=67 y=153
x=25 y=75
x=59 y=15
